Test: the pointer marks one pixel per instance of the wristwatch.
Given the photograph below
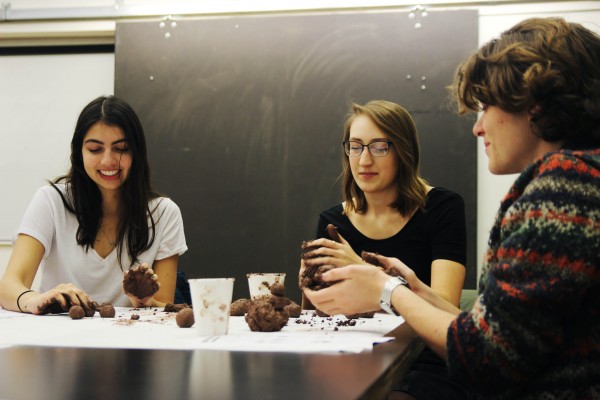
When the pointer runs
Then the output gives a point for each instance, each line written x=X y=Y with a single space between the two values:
x=385 y=302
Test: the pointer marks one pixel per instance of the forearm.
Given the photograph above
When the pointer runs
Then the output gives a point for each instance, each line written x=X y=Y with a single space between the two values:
x=434 y=298
x=10 y=292
x=429 y=322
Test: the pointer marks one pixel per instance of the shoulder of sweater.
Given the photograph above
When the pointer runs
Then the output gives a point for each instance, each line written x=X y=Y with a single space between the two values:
x=565 y=157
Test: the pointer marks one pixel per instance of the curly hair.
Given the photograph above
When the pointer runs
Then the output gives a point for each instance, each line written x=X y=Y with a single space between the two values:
x=547 y=67
x=397 y=124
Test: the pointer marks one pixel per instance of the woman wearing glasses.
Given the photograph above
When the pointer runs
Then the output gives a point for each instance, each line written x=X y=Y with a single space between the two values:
x=390 y=210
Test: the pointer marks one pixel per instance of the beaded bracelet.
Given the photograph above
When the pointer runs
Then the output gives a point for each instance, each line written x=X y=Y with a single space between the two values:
x=19 y=298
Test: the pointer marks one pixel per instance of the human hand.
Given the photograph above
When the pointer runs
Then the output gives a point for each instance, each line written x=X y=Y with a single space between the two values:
x=331 y=252
x=393 y=266
x=58 y=300
x=358 y=290
x=301 y=273
x=140 y=285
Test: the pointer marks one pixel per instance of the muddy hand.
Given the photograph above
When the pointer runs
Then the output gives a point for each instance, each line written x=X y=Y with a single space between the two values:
x=140 y=284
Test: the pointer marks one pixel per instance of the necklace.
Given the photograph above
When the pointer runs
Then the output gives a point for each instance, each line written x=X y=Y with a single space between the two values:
x=110 y=242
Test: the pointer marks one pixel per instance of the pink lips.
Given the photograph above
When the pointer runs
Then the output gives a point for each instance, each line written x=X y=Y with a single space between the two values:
x=367 y=175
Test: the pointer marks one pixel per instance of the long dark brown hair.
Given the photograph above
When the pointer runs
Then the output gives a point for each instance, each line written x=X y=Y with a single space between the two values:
x=136 y=228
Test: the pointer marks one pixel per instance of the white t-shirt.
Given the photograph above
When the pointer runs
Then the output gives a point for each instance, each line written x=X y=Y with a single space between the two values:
x=65 y=261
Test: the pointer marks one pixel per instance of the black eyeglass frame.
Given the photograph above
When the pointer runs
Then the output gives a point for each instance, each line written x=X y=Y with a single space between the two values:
x=345 y=145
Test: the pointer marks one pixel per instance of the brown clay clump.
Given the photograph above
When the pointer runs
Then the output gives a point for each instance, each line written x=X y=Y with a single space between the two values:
x=370 y=314
x=139 y=282
x=263 y=317
x=311 y=276
x=293 y=309
x=240 y=307
x=175 y=307
x=185 y=317
x=106 y=310
x=76 y=312
x=268 y=314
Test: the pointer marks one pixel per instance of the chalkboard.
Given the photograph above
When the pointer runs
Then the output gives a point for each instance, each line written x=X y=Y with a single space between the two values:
x=244 y=115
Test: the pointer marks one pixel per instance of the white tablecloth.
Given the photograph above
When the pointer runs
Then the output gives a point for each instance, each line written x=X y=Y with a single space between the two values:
x=157 y=330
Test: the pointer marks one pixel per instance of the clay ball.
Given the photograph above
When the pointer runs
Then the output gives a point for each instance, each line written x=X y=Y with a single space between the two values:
x=106 y=311
x=185 y=318
x=277 y=289
x=239 y=307
x=76 y=312
x=293 y=309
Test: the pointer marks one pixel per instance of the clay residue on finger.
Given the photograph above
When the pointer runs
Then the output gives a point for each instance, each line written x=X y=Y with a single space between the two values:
x=52 y=306
x=139 y=284
x=311 y=276
x=371 y=258
x=332 y=232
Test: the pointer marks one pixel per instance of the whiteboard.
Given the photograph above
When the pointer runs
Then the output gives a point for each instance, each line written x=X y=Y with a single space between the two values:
x=41 y=97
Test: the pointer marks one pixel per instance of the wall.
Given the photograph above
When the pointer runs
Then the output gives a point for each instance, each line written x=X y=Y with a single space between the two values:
x=493 y=19
x=41 y=97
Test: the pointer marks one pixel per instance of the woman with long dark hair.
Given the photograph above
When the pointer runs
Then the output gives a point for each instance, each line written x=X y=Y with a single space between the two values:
x=101 y=220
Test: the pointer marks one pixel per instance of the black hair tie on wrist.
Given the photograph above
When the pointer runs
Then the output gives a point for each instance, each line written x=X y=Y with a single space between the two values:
x=19 y=298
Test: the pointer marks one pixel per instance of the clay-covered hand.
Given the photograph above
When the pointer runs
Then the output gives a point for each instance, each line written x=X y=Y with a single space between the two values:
x=394 y=267
x=58 y=300
x=337 y=253
x=140 y=284
x=356 y=289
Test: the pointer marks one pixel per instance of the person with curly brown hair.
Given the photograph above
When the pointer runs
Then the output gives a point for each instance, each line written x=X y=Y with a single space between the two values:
x=534 y=329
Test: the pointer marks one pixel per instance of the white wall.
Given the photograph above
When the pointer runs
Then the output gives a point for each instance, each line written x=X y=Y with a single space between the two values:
x=493 y=20
x=41 y=93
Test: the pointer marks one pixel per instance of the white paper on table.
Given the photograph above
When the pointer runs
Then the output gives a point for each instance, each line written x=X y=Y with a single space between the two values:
x=157 y=329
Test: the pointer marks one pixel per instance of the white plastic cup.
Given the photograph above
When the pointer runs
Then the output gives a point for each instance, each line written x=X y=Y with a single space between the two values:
x=211 y=301
x=260 y=283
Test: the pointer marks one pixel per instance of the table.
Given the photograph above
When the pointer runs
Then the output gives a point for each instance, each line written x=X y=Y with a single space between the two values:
x=41 y=372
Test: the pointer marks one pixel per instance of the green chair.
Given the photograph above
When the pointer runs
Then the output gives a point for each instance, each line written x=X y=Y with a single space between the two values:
x=467 y=299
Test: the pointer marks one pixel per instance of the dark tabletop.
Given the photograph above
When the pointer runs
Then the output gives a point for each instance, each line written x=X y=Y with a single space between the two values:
x=28 y=372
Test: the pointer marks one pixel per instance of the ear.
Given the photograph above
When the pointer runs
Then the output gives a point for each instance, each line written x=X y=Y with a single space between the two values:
x=536 y=109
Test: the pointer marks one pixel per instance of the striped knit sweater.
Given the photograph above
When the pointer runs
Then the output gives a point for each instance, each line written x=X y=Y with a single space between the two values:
x=534 y=331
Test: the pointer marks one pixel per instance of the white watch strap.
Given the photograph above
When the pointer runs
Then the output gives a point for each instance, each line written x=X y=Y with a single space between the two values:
x=386 y=294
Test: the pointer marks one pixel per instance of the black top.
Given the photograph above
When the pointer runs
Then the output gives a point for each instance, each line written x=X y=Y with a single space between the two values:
x=438 y=232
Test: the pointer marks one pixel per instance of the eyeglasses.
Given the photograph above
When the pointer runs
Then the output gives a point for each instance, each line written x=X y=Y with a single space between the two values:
x=376 y=149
